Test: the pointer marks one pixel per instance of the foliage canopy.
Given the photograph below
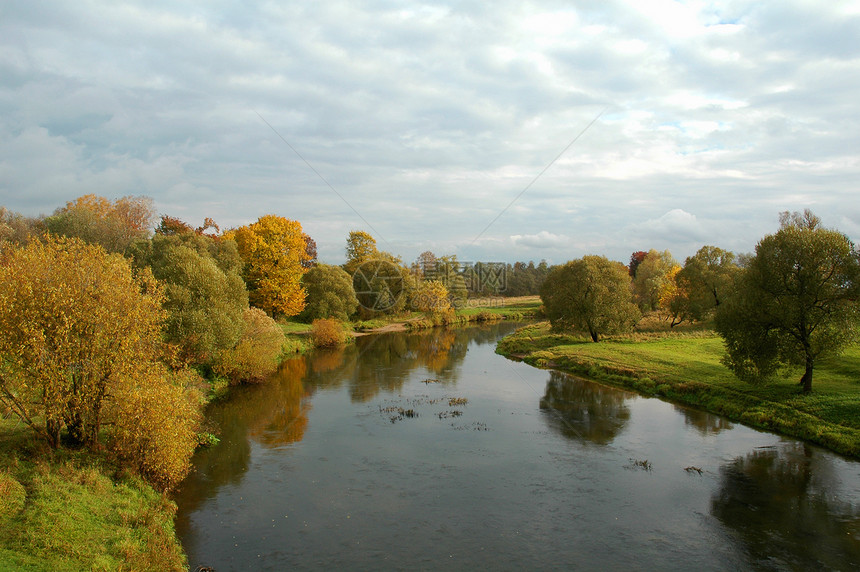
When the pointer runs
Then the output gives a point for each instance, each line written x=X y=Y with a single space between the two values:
x=795 y=301
x=591 y=294
x=275 y=255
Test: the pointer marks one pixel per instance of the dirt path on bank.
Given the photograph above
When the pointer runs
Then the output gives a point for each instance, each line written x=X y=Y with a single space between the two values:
x=396 y=327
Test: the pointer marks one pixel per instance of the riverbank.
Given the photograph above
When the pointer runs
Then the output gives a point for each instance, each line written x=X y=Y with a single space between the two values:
x=473 y=311
x=684 y=366
x=65 y=510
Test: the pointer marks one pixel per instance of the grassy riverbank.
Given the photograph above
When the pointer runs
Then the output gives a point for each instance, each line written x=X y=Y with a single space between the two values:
x=684 y=366
x=64 y=510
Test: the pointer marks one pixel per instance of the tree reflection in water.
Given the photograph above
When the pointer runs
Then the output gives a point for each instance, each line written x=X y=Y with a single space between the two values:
x=584 y=410
x=383 y=363
x=782 y=504
x=705 y=423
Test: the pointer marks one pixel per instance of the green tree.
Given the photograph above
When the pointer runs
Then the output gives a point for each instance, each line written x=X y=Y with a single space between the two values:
x=330 y=293
x=794 y=302
x=703 y=283
x=257 y=353
x=591 y=294
x=204 y=303
x=380 y=280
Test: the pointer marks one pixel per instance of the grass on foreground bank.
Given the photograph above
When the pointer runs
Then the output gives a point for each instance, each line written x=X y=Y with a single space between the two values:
x=683 y=365
x=61 y=510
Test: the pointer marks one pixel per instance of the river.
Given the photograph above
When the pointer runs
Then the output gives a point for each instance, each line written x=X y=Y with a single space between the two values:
x=429 y=451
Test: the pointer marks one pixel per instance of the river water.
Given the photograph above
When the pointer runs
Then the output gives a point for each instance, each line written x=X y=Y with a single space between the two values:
x=429 y=451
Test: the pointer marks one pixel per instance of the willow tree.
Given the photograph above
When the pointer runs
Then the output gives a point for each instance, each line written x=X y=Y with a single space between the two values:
x=795 y=301
x=591 y=294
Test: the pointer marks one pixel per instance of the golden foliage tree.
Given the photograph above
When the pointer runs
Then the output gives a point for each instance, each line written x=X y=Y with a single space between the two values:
x=74 y=323
x=112 y=224
x=360 y=247
x=155 y=418
x=80 y=349
x=275 y=256
x=431 y=297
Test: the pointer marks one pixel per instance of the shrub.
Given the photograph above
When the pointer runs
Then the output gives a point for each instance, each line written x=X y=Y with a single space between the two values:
x=156 y=424
x=258 y=352
x=328 y=333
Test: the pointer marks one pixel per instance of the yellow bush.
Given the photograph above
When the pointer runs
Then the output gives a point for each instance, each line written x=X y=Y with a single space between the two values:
x=328 y=333
x=155 y=426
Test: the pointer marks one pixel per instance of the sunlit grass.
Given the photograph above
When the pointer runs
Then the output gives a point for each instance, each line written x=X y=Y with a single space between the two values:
x=684 y=365
x=75 y=516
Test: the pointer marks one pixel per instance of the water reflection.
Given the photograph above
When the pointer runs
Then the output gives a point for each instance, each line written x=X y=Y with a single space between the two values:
x=584 y=410
x=283 y=417
x=783 y=505
x=703 y=422
x=383 y=363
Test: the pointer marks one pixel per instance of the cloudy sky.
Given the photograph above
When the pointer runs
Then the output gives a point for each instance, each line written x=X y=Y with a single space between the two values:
x=504 y=130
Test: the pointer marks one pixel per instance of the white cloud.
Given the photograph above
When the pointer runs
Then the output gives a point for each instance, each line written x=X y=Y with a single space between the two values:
x=543 y=239
x=430 y=118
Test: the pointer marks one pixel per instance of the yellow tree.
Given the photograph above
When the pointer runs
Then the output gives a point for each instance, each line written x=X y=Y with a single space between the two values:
x=360 y=248
x=113 y=225
x=431 y=297
x=75 y=323
x=275 y=255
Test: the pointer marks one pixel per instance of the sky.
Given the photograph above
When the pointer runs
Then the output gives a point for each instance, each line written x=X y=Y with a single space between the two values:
x=495 y=131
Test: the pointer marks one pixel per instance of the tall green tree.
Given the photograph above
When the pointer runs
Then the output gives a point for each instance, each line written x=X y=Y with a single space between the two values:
x=591 y=294
x=380 y=280
x=204 y=302
x=703 y=283
x=330 y=294
x=794 y=302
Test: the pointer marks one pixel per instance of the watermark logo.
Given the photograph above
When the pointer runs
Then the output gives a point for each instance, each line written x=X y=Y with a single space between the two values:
x=379 y=285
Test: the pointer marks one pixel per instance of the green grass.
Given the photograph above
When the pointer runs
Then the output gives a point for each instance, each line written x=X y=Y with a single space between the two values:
x=509 y=308
x=683 y=365
x=73 y=515
x=290 y=327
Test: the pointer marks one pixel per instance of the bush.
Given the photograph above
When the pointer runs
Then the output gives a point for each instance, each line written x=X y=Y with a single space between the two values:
x=156 y=424
x=258 y=352
x=328 y=333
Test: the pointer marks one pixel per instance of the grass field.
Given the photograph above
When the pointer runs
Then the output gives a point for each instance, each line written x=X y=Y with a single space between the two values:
x=684 y=366
x=64 y=510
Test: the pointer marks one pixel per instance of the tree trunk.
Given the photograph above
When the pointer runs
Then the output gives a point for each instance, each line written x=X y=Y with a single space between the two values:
x=806 y=380
x=594 y=336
